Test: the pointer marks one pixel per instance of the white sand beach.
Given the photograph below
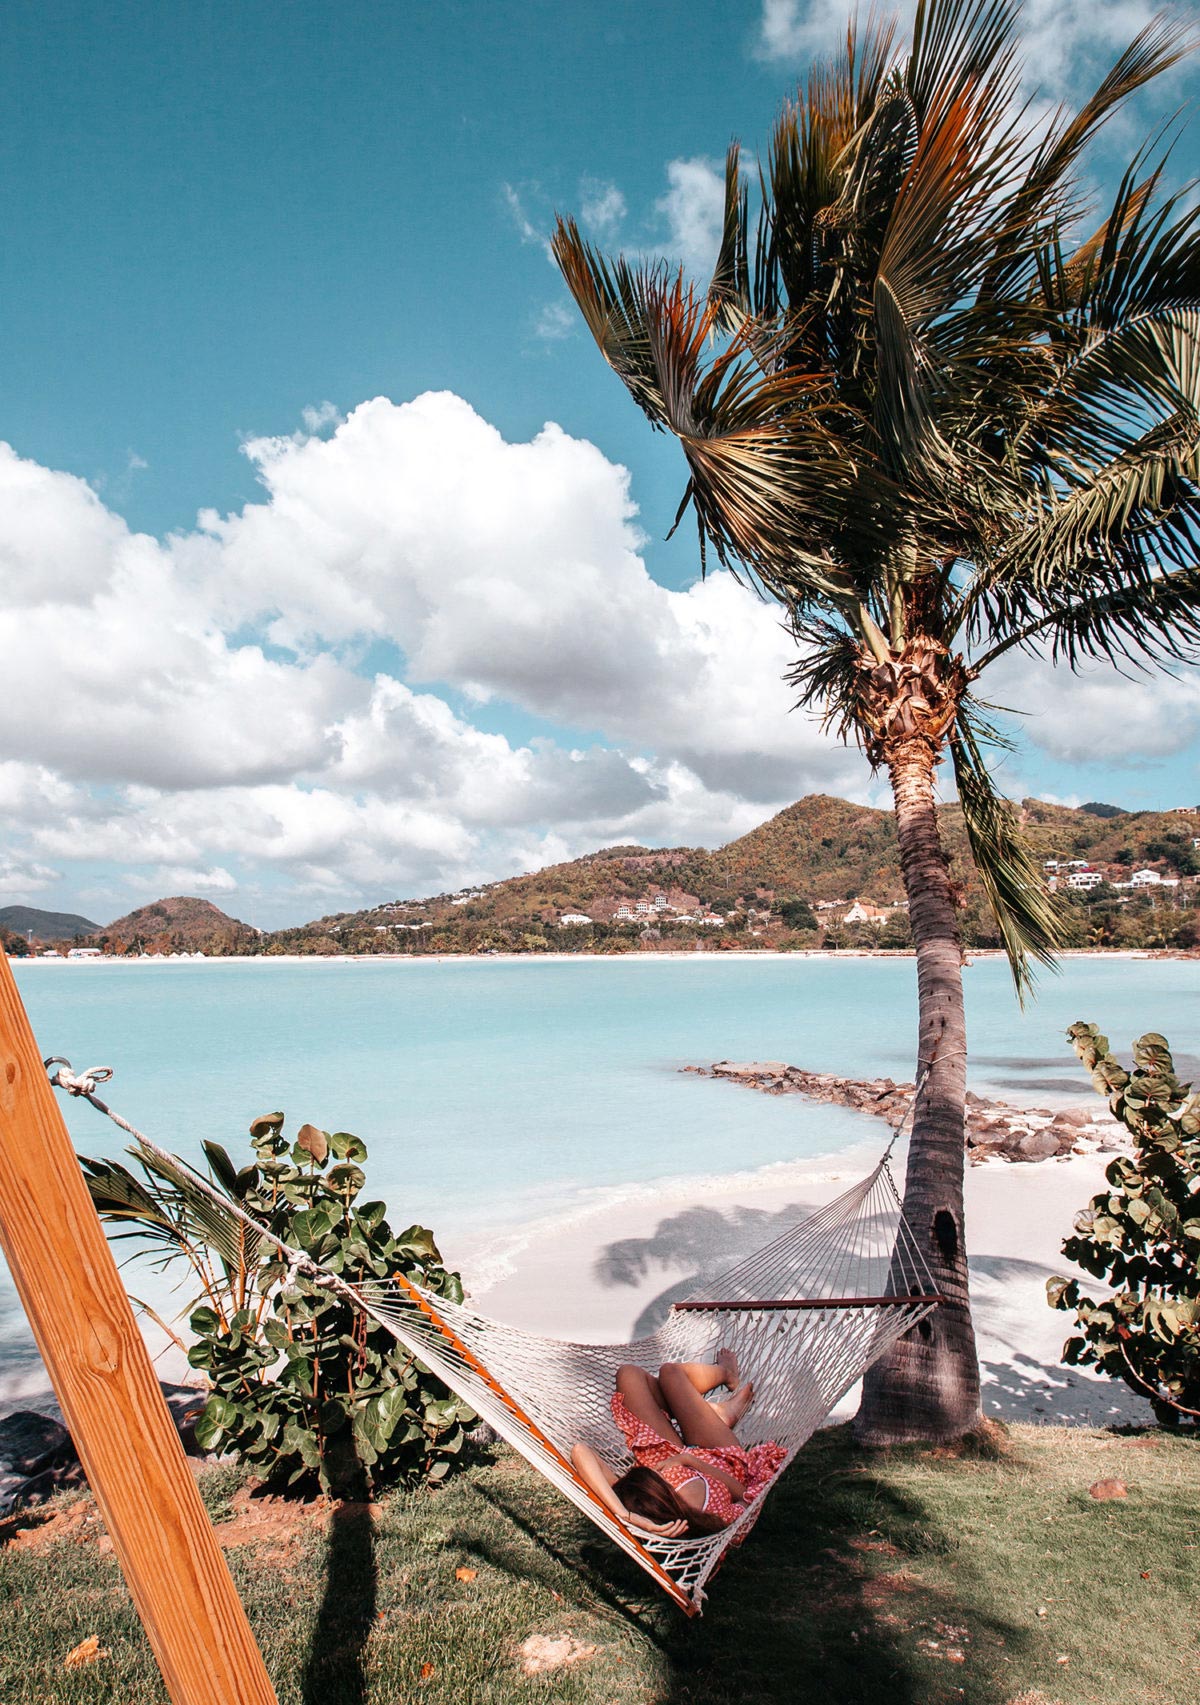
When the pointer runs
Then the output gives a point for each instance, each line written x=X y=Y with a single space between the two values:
x=610 y=1273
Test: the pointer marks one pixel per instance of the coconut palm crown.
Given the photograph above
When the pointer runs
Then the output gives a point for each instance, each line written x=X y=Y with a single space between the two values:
x=938 y=414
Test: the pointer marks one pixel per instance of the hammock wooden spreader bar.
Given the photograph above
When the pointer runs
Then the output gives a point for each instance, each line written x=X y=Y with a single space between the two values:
x=806 y=1315
x=814 y=1302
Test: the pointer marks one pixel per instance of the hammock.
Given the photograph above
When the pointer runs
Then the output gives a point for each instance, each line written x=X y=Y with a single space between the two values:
x=807 y=1316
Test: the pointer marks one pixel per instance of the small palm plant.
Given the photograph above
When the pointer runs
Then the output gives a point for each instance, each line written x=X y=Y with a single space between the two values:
x=939 y=420
x=301 y=1385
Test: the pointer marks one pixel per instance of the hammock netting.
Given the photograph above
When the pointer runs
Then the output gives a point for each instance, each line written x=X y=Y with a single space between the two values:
x=807 y=1316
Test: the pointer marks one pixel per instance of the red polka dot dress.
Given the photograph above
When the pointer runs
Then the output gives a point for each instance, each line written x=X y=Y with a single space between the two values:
x=752 y=1468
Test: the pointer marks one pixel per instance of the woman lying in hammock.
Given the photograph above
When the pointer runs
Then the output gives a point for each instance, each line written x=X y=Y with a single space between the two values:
x=690 y=1474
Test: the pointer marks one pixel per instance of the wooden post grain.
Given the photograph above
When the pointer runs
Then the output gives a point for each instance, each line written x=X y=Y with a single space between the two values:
x=110 y=1396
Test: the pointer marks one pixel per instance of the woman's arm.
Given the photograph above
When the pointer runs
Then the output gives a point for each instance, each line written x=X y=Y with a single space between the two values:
x=599 y=1478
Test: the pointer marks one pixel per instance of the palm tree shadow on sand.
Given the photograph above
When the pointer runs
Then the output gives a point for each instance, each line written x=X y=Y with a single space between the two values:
x=702 y=1241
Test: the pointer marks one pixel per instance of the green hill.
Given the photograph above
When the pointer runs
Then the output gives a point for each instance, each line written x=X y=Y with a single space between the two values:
x=183 y=924
x=774 y=887
x=821 y=849
x=818 y=851
x=46 y=926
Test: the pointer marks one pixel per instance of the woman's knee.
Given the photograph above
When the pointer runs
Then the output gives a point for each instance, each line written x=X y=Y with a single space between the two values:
x=630 y=1377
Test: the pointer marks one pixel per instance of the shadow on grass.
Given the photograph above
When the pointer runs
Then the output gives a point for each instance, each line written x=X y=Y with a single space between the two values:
x=827 y=1600
x=848 y=1592
x=335 y=1673
x=557 y=1553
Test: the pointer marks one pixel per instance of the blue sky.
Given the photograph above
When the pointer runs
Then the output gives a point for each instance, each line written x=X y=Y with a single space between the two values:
x=308 y=605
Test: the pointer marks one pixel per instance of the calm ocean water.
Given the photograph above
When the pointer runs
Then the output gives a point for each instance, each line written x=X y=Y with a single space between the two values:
x=493 y=1092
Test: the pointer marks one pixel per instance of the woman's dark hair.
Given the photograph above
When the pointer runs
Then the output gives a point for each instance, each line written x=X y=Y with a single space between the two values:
x=645 y=1493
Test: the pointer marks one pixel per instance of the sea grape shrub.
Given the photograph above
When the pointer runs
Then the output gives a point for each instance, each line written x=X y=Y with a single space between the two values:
x=1142 y=1235
x=302 y=1385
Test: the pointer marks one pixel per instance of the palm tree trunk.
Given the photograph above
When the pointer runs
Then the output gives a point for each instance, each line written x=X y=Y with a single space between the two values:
x=927 y=1387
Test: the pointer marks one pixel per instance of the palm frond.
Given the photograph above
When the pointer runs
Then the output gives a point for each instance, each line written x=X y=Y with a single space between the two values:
x=1029 y=921
x=1132 y=521
x=1069 y=281
x=729 y=292
x=1138 y=623
x=1106 y=398
x=119 y=1197
x=612 y=297
x=827 y=672
x=203 y=1216
x=805 y=175
x=1046 y=197
x=1114 y=506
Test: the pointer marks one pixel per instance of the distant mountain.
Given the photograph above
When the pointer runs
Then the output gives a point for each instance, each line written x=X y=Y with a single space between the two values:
x=46 y=926
x=183 y=924
x=818 y=851
x=821 y=848
x=775 y=886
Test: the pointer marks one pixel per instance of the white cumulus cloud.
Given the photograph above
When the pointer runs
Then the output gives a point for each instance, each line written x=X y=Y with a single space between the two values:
x=190 y=712
x=694 y=210
x=601 y=206
x=1099 y=715
x=1065 y=43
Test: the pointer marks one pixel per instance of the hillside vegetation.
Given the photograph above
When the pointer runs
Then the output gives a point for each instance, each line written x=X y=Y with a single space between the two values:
x=182 y=924
x=788 y=883
x=776 y=887
x=45 y=926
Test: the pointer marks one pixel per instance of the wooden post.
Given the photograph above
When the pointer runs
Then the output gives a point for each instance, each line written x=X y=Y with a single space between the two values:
x=110 y=1396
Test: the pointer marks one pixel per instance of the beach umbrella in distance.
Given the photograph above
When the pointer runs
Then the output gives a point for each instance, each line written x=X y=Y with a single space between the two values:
x=940 y=410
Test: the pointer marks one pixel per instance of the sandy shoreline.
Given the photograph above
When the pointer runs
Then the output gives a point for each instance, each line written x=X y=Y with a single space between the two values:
x=609 y=1272
x=708 y=955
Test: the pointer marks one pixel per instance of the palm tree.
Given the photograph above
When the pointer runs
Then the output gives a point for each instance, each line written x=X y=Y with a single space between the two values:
x=937 y=421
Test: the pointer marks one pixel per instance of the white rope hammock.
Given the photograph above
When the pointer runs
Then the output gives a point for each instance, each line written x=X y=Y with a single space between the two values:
x=807 y=1316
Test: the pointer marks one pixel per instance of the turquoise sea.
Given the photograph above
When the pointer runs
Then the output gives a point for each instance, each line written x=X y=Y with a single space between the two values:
x=494 y=1092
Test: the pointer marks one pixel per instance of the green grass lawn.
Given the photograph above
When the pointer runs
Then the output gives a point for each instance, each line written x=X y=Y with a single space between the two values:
x=902 y=1577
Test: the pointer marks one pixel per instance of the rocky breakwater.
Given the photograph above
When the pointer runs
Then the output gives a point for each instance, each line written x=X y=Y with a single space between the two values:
x=992 y=1128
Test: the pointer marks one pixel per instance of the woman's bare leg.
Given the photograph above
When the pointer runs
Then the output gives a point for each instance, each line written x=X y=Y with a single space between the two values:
x=683 y=1385
x=643 y=1396
x=707 y=1376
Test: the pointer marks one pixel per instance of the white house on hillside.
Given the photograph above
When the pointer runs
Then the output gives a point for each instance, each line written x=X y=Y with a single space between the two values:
x=863 y=912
